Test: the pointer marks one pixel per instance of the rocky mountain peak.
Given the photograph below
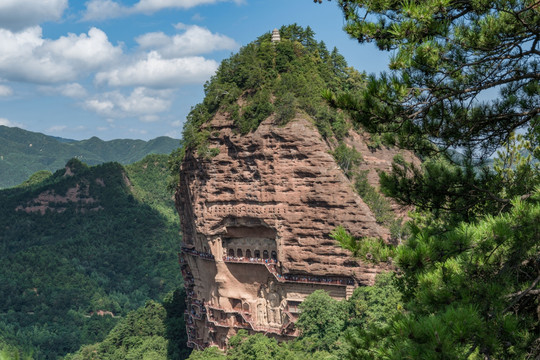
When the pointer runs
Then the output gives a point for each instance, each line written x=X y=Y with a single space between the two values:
x=260 y=192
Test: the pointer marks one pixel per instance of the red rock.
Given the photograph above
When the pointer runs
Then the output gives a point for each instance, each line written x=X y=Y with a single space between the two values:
x=277 y=190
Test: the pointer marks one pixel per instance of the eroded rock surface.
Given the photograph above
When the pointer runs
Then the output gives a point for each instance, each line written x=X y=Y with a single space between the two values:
x=256 y=221
x=51 y=201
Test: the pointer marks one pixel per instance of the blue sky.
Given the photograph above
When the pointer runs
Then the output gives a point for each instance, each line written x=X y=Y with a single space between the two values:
x=133 y=69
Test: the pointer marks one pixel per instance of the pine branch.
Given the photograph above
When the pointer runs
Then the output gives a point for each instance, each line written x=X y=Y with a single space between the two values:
x=521 y=294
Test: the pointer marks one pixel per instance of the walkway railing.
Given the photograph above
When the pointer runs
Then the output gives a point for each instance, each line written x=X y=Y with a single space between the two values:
x=202 y=255
x=271 y=266
x=308 y=279
x=321 y=280
x=246 y=260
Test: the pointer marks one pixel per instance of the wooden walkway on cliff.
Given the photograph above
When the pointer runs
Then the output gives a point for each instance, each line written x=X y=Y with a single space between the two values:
x=270 y=265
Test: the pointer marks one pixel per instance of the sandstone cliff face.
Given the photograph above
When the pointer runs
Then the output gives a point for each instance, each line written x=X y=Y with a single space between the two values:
x=256 y=220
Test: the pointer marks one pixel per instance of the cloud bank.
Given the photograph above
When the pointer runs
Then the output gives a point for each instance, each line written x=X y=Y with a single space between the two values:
x=108 y=9
x=5 y=90
x=135 y=82
x=26 y=56
x=195 y=40
x=141 y=102
x=156 y=72
x=6 y=122
x=18 y=14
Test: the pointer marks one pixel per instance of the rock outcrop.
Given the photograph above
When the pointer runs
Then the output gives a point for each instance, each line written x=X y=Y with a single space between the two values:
x=256 y=221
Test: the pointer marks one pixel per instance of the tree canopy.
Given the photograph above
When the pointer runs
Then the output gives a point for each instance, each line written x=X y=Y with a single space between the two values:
x=272 y=79
x=464 y=84
x=465 y=73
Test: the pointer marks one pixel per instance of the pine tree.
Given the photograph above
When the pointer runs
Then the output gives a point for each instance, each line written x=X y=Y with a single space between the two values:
x=470 y=271
x=450 y=59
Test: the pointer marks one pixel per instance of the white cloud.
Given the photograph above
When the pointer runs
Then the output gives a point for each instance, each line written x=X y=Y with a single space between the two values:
x=72 y=90
x=141 y=102
x=56 y=128
x=138 y=131
x=157 y=72
x=19 y=14
x=63 y=129
x=150 y=6
x=90 y=50
x=103 y=107
x=180 y=26
x=195 y=40
x=27 y=56
x=6 y=122
x=108 y=9
x=5 y=90
x=104 y=9
x=175 y=134
x=149 y=118
x=197 y=17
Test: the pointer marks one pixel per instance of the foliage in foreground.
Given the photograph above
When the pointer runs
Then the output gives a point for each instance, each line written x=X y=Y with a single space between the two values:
x=469 y=271
x=449 y=60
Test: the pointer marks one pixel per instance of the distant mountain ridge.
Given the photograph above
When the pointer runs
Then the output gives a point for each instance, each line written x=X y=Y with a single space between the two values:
x=22 y=152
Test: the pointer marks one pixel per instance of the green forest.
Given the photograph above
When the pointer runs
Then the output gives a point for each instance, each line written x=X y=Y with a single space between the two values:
x=104 y=283
x=153 y=332
x=72 y=274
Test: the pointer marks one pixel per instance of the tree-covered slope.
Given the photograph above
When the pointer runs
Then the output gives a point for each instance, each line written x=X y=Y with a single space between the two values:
x=278 y=80
x=80 y=249
x=153 y=332
x=23 y=153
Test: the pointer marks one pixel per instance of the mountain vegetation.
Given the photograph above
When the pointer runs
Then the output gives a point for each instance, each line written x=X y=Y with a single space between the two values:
x=22 y=153
x=467 y=279
x=272 y=79
x=80 y=249
x=153 y=332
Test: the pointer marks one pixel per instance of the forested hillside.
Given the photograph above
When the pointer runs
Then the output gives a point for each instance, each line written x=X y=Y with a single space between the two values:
x=22 y=152
x=80 y=249
x=153 y=332
x=265 y=79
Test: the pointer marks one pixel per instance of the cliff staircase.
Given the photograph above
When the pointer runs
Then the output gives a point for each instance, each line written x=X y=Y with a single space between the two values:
x=349 y=290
